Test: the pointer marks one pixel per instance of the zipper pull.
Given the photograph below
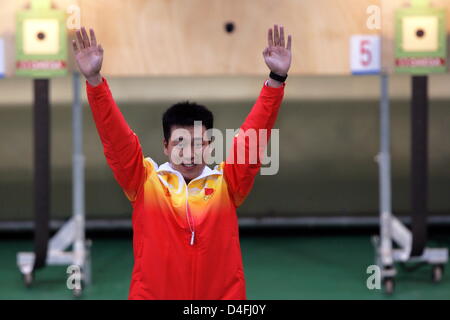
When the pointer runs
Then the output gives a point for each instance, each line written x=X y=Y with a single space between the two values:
x=192 y=238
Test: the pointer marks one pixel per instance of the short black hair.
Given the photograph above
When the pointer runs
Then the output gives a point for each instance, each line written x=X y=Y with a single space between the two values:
x=184 y=114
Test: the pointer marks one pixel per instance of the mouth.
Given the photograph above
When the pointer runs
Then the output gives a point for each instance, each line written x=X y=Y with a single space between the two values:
x=188 y=166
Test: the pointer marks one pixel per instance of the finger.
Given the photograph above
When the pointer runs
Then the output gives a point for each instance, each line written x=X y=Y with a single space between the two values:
x=85 y=37
x=80 y=40
x=93 y=38
x=270 y=37
x=74 y=46
x=289 y=41
x=100 y=48
x=282 y=43
x=276 y=36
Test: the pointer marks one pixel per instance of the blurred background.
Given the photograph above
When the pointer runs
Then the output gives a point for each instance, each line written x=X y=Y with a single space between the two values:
x=305 y=232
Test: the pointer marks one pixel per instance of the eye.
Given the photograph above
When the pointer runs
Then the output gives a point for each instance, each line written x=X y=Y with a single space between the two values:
x=179 y=139
x=180 y=143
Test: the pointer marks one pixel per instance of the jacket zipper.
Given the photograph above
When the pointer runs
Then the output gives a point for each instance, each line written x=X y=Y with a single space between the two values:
x=190 y=219
x=192 y=229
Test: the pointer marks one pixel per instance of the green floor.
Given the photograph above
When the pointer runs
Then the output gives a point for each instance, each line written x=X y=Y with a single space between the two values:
x=289 y=267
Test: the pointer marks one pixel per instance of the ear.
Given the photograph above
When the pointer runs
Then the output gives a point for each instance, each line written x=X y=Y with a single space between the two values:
x=166 y=150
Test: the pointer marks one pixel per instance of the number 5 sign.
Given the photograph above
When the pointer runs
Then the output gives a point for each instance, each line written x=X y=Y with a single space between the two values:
x=365 y=54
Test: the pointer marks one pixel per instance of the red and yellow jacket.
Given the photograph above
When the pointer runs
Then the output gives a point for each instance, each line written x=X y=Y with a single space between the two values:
x=185 y=237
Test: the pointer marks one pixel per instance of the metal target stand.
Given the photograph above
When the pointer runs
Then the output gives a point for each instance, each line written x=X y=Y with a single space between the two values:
x=410 y=244
x=71 y=235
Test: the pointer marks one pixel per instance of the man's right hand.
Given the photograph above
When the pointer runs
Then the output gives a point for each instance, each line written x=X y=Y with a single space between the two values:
x=88 y=55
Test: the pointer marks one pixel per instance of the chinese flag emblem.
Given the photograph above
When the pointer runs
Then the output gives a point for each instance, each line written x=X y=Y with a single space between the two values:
x=208 y=193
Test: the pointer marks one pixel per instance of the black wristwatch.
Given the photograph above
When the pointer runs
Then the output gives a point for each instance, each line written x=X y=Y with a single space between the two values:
x=277 y=77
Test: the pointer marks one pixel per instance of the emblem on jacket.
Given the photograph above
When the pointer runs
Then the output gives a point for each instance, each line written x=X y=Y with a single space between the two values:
x=208 y=193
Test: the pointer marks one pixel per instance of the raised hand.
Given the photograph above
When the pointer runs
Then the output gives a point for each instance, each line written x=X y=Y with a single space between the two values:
x=88 y=55
x=278 y=55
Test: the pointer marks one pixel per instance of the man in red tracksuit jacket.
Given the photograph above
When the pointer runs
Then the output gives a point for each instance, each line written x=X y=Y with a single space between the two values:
x=185 y=228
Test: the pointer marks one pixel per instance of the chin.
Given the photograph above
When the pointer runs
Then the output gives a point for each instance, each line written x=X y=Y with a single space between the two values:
x=192 y=173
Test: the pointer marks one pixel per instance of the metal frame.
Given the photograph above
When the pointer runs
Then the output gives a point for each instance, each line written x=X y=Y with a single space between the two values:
x=72 y=232
x=392 y=230
x=244 y=222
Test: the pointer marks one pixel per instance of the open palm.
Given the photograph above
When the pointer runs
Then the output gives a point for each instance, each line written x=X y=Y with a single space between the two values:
x=88 y=55
x=278 y=55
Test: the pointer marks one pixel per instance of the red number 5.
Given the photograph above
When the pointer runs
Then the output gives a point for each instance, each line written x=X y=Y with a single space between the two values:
x=366 y=55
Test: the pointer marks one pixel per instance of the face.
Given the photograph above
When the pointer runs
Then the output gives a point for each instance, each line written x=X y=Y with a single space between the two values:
x=186 y=150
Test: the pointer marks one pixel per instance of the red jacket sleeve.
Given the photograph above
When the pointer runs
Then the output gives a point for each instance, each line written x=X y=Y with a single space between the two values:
x=239 y=174
x=121 y=145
